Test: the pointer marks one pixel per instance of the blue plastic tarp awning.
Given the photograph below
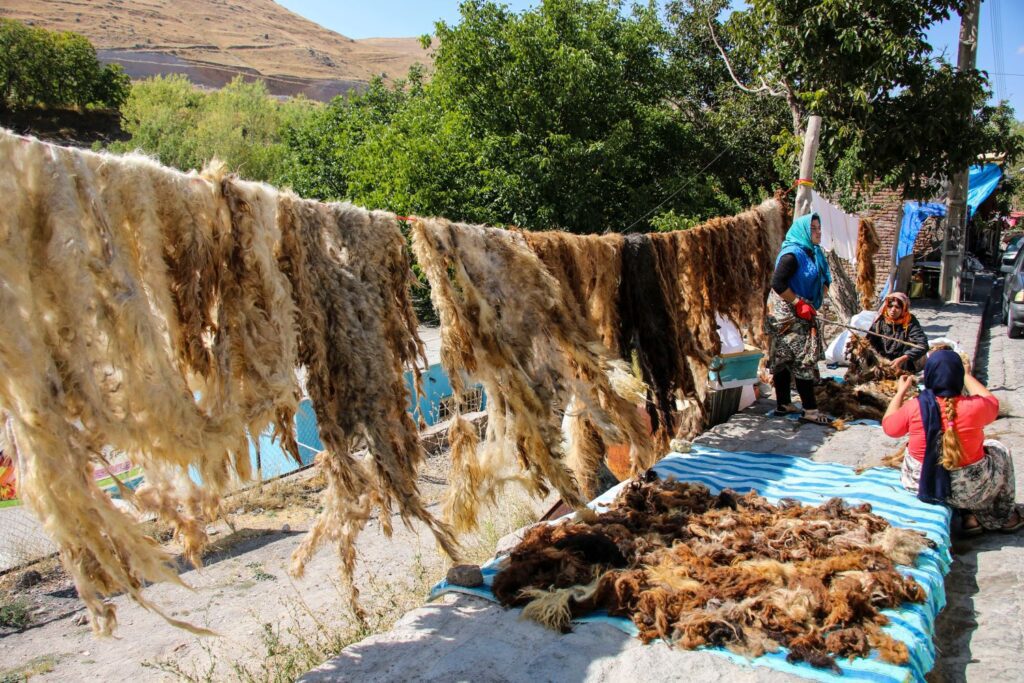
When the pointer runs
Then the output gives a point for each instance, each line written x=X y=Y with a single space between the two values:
x=981 y=183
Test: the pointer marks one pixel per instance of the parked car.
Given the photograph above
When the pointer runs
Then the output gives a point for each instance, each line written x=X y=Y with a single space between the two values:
x=1013 y=297
x=1010 y=255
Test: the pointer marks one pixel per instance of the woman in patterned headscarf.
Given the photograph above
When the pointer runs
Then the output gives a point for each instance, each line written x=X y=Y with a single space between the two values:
x=897 y=322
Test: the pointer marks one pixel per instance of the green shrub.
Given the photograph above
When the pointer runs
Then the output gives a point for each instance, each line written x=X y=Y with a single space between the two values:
x=54 y=69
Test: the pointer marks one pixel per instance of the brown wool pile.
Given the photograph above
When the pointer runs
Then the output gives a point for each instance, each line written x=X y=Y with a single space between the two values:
x=163 y=315
x=868 y=385
x=728 y=570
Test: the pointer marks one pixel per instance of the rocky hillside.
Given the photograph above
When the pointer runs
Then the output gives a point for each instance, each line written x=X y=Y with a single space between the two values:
x=212 y=41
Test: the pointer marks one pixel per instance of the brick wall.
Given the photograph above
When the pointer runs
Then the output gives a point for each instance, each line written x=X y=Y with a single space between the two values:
x=929 y=239
x=884 y=208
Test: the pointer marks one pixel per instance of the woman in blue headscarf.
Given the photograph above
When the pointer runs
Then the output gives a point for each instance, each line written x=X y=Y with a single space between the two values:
x=799 y=286
x=948 y=460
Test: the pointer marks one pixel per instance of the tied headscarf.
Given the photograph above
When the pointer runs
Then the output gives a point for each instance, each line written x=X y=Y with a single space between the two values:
x=943 y=376
x=798 y=239
x=904 y=319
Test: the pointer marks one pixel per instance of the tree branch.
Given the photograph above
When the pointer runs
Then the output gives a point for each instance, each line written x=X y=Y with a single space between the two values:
x=794 y=110
x=764 y=88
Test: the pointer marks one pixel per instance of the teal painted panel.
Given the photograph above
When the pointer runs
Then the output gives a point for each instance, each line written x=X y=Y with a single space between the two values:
x=274 y=462
x=735 y=367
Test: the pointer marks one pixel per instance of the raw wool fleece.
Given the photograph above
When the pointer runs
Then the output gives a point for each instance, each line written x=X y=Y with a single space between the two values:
x=350 y=277
x=129 y=289
x=726 y=265
x=723 y=266
x=649 y=326
x=868 y=386
x=588 y=267
x=110 y=276
x=507 y=323
x=664 y=310
x=867 y=246
x=729 y=570
x=866 y=365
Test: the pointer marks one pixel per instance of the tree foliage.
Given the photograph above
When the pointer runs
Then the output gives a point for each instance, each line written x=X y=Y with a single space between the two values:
x=891 y=111
x=55 y=69
x=588 y=116
x=566 y=116
x=241 y=125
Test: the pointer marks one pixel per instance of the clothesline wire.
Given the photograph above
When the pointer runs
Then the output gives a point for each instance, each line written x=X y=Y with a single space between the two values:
x=799 y=181
x=678 y=189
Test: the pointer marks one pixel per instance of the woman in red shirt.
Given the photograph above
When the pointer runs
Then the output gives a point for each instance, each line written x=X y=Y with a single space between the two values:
x=948 y=459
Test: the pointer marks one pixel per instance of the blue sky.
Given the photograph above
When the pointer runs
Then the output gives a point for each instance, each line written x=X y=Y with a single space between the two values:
x=1000 y=43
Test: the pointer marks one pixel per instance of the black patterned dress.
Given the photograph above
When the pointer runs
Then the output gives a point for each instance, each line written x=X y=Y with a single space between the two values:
x=986 y=488
x=795 y=343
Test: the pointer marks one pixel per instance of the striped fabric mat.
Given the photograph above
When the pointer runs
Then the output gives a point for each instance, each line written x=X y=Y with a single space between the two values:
x=811 y=483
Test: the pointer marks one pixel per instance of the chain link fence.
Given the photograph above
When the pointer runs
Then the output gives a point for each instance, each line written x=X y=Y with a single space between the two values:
x=22 y=539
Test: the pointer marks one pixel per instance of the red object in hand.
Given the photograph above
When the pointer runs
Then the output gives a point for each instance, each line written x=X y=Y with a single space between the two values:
x=805 y=310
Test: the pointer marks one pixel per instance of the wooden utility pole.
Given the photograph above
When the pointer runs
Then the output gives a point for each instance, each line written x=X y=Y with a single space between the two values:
x=843 y=293
x=954 y=237
x=810 y=153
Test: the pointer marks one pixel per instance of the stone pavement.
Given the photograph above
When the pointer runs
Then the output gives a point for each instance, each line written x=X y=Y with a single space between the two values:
x=980 y=633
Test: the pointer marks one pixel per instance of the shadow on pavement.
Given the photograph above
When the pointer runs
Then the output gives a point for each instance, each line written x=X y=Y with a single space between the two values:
x=957 y=623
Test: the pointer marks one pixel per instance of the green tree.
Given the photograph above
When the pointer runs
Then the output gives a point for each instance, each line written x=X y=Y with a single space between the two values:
x=161 y=114
x=113 y=86
x=890 y=110
x=569 y=103
x=573 y=115
x=76 y=71
x=42 y=68
x=25 y=64
x=241 y=125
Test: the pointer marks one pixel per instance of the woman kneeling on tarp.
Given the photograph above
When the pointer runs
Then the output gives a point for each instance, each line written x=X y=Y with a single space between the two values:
x=896 y=322
x=948 y=459
x=799 y=285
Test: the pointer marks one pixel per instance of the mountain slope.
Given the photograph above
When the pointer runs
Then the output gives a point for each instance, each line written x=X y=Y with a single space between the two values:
x=215 y=40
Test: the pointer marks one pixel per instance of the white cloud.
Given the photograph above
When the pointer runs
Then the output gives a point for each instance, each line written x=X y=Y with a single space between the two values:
x=1020 y=49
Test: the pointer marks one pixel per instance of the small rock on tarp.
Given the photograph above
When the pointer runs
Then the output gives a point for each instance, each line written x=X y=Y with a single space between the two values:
x=465 y=575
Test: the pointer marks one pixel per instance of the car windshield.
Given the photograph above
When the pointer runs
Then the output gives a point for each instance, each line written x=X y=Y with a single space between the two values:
x=1014 y=245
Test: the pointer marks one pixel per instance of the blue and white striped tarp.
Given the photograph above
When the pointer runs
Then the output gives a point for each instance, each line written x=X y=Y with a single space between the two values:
x=811 y=483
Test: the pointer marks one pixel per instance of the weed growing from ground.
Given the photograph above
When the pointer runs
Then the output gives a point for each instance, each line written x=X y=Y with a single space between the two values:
x=14 y=612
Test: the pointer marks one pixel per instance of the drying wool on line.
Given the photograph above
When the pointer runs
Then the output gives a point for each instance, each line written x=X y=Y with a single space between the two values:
x=588 y=268
x=649 y=327
x=735 y=571
x=654 y=298
x=506 y=324
x=108 y=267
x=129 y=290
x=350 y=280
x=868 y=245
x=163 y=315
x=641 y=295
